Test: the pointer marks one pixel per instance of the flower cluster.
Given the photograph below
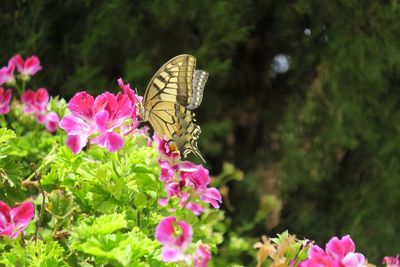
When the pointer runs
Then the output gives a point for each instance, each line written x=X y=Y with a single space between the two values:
x=14 y=220
x=187 y=181
x=176 y=237
x=103 y=118
x=26 y=69
x=34 y=102
x=392 y=261
x=337 y=253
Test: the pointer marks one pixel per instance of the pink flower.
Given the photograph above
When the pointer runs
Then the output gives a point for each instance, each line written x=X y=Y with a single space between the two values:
x=338 y=252
x=7 y=73
x=198 y=178
x=116 y=110
x=343 y=251
x=5 y=98
x=318 y=258
x=81 y=123
x=167 y=149
x=29 y=67
x=51 y=121
x=175 y=236
x=202 y=257
x=35 y=102
x=104 y=116
x=391 y=261
x=15 y=220
x=167 y=172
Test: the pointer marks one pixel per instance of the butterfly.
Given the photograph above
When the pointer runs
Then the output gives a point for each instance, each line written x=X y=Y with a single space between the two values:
x=174 y=91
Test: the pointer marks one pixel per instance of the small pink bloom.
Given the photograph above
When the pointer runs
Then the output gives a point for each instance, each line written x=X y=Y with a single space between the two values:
x=76 y=142
x=7 y=73
x=15 y=220
x=116 y=110
x=167 y=149
x=198 y=178
x=339 y=248
x=81 y=123
x=130 y=94
x=167 y=172
x=5 y=98
x=35 y=102
x=202 y=257
x=29 y=67
x=391 y=261
x=338 y=252
x=212 y=196
x=353 y=260
x=109 y=140
x=192 y=206
x=318 y=258
x=175 y=236
x=51 y=121
x=196 y=175
x=343 y=251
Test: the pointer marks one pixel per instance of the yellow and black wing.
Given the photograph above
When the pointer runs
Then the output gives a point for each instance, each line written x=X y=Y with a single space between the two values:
x=172 y=92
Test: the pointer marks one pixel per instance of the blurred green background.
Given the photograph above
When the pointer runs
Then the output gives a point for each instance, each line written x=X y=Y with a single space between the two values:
x=303 y=97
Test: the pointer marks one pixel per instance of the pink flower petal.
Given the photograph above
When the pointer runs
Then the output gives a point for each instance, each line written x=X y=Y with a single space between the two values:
x=21 y=216
x=165 y=230
x=339 y=248
x=4 y=214
x=7 y=73
x=212 y=196
x=5 y=98
x=202 y=257
x=18 y=62
x=75 y=126
x=82 y=104
x=42 y=99
x=101 y=119
x=169 y=254
x=76 y=142
x=165 y=233
x=111 y=141
x=51 y=121
x=353 y=260
x=167 y=172
x=31 y=66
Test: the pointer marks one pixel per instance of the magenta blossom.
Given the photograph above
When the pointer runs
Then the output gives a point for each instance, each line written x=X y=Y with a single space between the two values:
x=338 y=253
x=35 y=102
x=29 y=67
x=5 y=98
x=103 y=116
x=51 y=121
x=7 y=73
x=15 y=220
x=175 y=236
x=391 y=261
x=167 y=150
x=81 y=123
x=116 y=110
x=202 y=257
x=197 y=177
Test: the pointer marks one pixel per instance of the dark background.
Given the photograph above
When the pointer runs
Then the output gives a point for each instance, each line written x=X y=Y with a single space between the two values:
x=318 y=143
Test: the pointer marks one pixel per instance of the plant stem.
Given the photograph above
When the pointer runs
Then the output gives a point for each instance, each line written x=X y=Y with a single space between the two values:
x=38 y=176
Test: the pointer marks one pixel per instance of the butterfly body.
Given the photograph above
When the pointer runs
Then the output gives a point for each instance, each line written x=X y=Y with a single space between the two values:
x=171 y=95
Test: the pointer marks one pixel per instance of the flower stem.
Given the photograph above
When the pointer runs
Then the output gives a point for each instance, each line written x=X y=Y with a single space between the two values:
x=38 y=176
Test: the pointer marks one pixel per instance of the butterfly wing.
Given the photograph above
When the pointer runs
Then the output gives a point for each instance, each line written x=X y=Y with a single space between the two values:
x=168 y=94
